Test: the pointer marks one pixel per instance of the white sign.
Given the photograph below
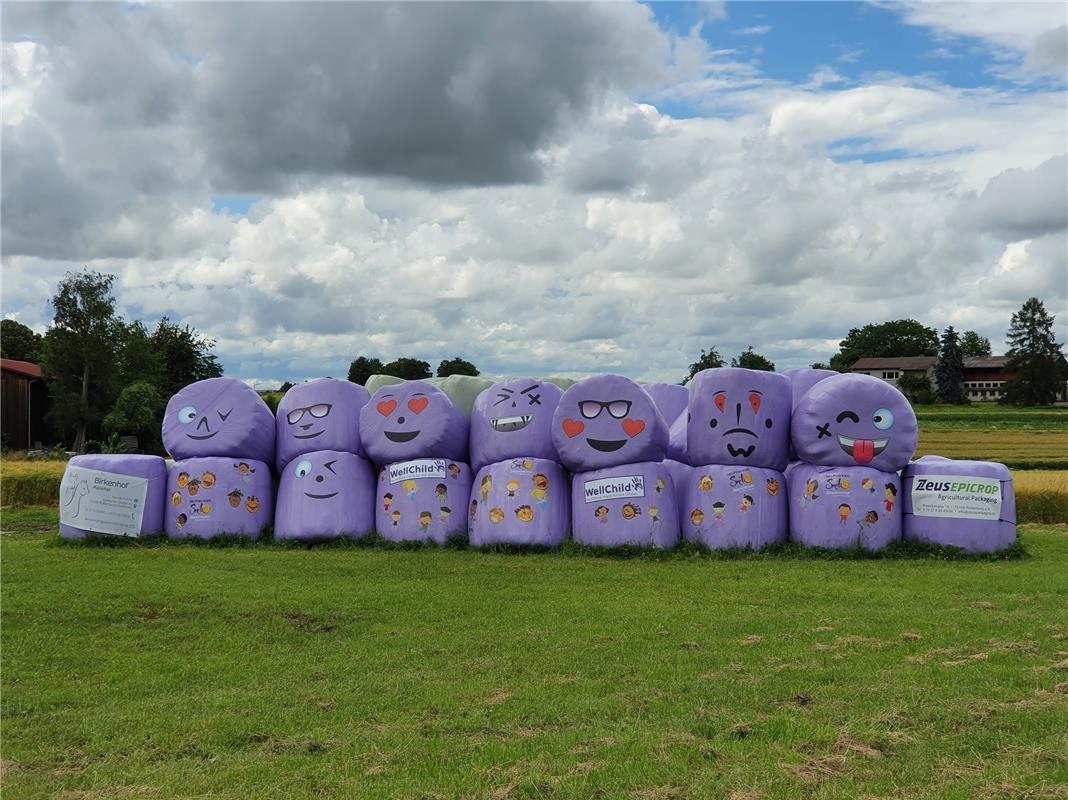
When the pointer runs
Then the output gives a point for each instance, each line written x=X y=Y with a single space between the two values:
x=956 y=496
x=420 y=468
x=102 y=502
x=614 y=488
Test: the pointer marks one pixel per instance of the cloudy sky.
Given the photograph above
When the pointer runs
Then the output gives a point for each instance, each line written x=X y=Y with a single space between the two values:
x=540 y=188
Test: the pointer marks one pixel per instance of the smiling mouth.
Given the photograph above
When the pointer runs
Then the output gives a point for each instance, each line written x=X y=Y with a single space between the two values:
x=401 y=436
x=740 y=430
x=744 y=452
x=508 y=424
x=862 y=450
x=307 y=435
x=606 y=446
x=201 y=438
x=319 y=496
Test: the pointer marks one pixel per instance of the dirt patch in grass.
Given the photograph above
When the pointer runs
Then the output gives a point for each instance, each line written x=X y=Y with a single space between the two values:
x=816 y=770
x=497 y=698
x=313 y=623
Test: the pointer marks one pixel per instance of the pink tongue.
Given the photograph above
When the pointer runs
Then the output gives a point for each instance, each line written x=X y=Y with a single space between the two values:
x=863 y=450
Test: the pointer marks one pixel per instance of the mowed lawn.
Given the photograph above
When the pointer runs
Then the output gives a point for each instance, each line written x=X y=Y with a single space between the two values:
x=271 y=672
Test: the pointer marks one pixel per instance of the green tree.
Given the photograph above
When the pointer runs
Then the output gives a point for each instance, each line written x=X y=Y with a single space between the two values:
x=411 y=369
x=917 y=388
x=750 y=360
x=19 y=342
x=709 y=359
x=819 y=365
x=79 y=353
x=456 y=366
x=1035 y=357
x=285 y=387
x=137 y=358
x=363 y=368
x=897 y=338
x=138 y=411
x=186 y=356
x=972 y=345
x=949 y=369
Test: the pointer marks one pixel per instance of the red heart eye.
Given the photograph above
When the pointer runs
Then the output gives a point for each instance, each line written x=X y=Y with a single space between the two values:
x=721 y=401
x=417 y=404
x=386 y=407
x=754 y=401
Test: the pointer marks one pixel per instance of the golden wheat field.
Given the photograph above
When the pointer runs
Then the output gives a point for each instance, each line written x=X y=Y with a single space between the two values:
x=1008 y=447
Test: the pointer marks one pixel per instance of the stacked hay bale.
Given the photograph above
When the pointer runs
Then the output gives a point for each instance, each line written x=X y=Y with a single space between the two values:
x=119 y=495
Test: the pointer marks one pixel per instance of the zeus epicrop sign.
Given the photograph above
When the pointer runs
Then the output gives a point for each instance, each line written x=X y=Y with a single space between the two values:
x=954 y=496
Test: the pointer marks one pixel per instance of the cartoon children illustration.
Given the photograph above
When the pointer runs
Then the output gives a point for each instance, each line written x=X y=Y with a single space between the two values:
x=454 y=471
x=485 y=487
x=181 y=520
x=746 y=504
x=525 y=514
x=411 y=488
x=541 y=481
x=601 y=512
x=868 y=485
x=176 y=499
x=719 y=508
x=630 y=511
x=235 y=498
x=496 y=515
x=659 y=486
x=654 y=514
x=890 y=492
x=868 y=520
x=395 y=516
x=443 y=513
x=425 y=518
x=705 y=484
x=183 y=479
x=441 y=492
x=252 y=504
x=844 y=510
x=512 y=486
x=244 y=471
x=387 y=501
x=697 y=516
x=193 y=486
x=540 y=496
x=474 y=510
x=810 y=492
x=207 y=480
x=773 y=486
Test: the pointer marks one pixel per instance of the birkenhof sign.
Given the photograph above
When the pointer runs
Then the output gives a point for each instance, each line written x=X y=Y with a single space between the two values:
x=102 y=502
x=956 y=496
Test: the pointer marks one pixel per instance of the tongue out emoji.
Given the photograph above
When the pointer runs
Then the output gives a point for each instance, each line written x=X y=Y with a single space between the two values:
x=862 y=450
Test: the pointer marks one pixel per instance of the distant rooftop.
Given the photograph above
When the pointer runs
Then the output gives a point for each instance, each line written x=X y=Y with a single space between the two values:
x=27 y=368
x=909 y=363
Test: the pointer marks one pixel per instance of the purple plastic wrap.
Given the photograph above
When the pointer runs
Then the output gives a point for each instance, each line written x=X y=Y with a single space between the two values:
x=801 y=380
x=324 y=495
x=411 y=420
x=680 y=477
x=606 y=421
x=739 y=416
x=423 y=500
x=677 y=434
x=844 y=507
x=730 y=506
x=218 y=417
x=670 y=399
x=319 y=415
x=522 y=501
x=854 y=420
x=215 y=496
x=513 y=419
x=630 y=504
x=152 y=468
x=966 y=504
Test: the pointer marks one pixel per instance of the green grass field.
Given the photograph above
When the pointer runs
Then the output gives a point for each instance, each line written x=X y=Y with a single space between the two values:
x=270 y=672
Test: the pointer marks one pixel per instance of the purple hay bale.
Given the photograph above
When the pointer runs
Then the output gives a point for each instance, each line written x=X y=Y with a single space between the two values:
x=730 y=506
x=319 y=415
x=410 y=420
x=629 y=504
x=219 y=417
x=423 y=500
x=844 y=507
x=513 y=419
x=522 y=501
x=152 y=468
x=216 y=496
x=325 y=495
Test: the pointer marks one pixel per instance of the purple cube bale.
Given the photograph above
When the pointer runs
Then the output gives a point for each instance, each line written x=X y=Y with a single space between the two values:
x=606 y=421
x=522 y=501
x=739 y=416
x=423 y=500
x=325 y=495
x=319 y=415
x=965 y=504
x=801 y=380
x=854 y=420
x=411 y=420
x=219 y=417
x=77 y=478
x=677 y=433
x=680 y=477
x=513 y=419
x=844 y=507
x=670 y=398
x=629 y=504
x=217 y=496
x=730 y=506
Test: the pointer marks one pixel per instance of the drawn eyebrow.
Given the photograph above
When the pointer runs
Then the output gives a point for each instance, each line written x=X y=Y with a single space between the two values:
x=387 y=395
x=529 y=388
x=756 y=391
x=721 y=391
x=330 y=465
x=419 y=394
x=504 y=389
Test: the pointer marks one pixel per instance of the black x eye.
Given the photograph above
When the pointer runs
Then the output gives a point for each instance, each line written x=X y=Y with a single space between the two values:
x=846 y=415
x=535 y=399
x=824 y=430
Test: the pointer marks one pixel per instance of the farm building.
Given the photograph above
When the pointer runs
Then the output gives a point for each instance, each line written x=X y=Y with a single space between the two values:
x=984 y=376
x=23 y=404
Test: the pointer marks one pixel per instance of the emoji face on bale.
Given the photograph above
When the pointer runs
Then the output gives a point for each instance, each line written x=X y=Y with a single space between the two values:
x=412 y=420
x=512 y=419
x=183 y=479
x=207 y=480
x=218 y=417
x=193 y=487
x=496 y=516
x=738 y=416
x=606 y=421
x=525 y=514
x=235 y=498
x=325 y=494
x=252 y=505
x=773 y=487
x=319 y=415
x=855 y=420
